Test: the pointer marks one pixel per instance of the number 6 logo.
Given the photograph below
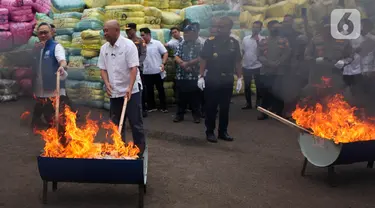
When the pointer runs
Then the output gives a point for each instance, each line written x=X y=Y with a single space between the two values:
x=345 y=24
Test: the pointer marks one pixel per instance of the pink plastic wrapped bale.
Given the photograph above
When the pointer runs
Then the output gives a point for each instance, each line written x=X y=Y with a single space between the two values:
x=4 y=26
x=40 y=6
x=26 y=86
x=12 y=3
x=22 y=18
x=22 y=10
x=21 y=31
x=20 y=73
x=6 y=40
x=4 y=15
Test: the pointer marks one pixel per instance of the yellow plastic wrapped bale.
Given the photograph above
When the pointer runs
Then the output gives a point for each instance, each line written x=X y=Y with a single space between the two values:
x=97 y=3
x=92 y=41
x=213 y=2
x=245 y=19
x=149 y=26
x=94 y=14
x=256 y=10
x=136 y=14
x=177 y=11
x=122 y=2
x=299 y=5
x=76 y=40
x=64 y=40
x=170 y=18
x=152 y=11
x=89 y=53
x=93 y=74
x=255 y=2
x=123 y=8
x=179 y=4
x=152 y=20
x=161 y=4
x=65 y=22
x=258 y=17
x=106 y=99
x=90 y=34
x=168 y=85
x=122 y=13
x=92 y=92
x=280 y=9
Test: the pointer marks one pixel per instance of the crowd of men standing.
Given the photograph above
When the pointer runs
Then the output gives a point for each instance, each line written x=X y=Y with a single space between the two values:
x=285 y=66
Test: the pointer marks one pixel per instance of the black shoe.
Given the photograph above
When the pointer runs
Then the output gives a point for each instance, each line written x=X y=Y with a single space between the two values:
x=178 y=119
x=141 y=150
x=197 y=120
x=144 y=114
x=225 y=136
x=262 y=117
x=211 y=138
x=247 y=107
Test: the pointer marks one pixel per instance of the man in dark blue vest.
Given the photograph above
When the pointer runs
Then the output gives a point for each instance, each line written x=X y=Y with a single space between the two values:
x=49 y=59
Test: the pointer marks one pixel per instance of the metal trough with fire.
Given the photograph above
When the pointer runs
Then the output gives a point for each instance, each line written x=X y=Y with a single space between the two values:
x=327 y=153
x=77 y=158
x=82 y=170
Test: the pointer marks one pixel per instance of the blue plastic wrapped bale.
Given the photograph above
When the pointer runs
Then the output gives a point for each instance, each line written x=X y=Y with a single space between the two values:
x=167 y=35
x=220 y=13
x=92 y=85
x=204 y=32
x=218 y=7
x=73 y=84
x=199 y=13
x=32 y=41
x=89 y=24
x=64 y=31
x=74 y=51
x=92 y=61
x=68 y=5
x=77 y=74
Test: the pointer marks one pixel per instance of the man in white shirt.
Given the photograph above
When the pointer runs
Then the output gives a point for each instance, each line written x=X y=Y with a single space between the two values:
x=250 y=63
x=49 y=59
x=153 y=69
x=176 y=39
x=118 y=61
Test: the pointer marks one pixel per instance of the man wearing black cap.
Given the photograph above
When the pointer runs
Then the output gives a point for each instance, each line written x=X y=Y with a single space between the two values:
x=187 y=58
x=131 y=32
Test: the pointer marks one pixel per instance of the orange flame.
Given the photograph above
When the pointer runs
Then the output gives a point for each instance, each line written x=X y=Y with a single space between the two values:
x=25 y=115
x=80 y=140
x=336 y=121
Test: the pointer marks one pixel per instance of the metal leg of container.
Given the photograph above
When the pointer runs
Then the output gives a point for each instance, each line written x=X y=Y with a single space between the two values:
x=54 y=186
x=45 y=190
x=303 y=170
x=370 y=164
x=141 y=188
x=331 y=176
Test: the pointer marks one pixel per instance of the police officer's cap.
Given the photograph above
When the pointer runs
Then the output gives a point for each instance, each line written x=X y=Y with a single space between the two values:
x=130 y=26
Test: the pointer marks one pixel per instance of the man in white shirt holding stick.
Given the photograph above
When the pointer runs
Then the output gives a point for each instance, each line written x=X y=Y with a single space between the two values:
x=118 y=61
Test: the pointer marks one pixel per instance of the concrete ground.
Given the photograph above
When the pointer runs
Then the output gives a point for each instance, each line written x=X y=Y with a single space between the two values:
x=261 y=168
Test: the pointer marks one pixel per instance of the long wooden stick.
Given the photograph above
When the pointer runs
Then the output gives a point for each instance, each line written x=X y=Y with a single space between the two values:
x=282 y=120
x=57 y=110
x=122 y=115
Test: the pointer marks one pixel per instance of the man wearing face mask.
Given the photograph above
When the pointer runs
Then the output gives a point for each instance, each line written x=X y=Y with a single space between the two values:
x=221 y=56
x=322 y=53
x=274 y=53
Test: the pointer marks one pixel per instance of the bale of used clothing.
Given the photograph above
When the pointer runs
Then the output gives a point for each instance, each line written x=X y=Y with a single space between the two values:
x=170 y=19
x=199 y=13
x=22 y=14
x=61 y=6
x=6 y=39
x=21 y=32
x=124 y=14
x=161 y=4
x=92 y=19
x=4 y=13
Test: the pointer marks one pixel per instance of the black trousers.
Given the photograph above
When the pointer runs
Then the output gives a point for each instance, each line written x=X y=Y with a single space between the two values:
x=133 y=113
x=217 y=95
x=43 y=107
x=270 y=98
x=250 y=74
x=152 y=80
x=188 y=97
x=144 y=91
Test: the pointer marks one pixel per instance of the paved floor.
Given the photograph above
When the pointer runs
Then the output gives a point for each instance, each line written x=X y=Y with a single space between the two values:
x=260 y=169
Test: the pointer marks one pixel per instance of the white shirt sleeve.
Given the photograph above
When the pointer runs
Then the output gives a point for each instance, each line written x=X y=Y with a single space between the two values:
x=60 y=53
x=132 y=58
x=101 y=59
x=162 y=49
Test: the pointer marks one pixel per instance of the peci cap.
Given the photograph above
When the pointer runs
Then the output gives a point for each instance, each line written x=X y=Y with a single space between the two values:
x=130 y=26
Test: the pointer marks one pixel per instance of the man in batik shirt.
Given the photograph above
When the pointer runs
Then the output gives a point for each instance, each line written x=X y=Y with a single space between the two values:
x=187 y=59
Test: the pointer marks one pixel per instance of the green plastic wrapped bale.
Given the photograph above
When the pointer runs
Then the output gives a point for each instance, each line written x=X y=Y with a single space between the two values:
x=92 y=61
x=64 y=31
x=74 y=51
x=94 y=14
x=89 y=53
x=93 y=73
x=64 y=40
x=106 y=99
x=170 y=18
x=199 y=13
x=218 y=7
x=92 y=85
x=168 y=85
x=76 y=40
x=32 y=41
x=89 y=24
x=107 y=106
x=73 y=84
x=72 y=15
x=76 y=61
x=76 y=74
x=68 y=5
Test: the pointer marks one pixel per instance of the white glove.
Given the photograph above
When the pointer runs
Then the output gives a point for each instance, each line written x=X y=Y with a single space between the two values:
x=319 y=59
x=340 y=64
x=201 y=83
x=239 y=85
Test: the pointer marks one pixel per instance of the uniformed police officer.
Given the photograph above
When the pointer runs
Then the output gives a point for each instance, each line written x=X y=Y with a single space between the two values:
x=131 y=32
x=221 y=55
x=323 y=52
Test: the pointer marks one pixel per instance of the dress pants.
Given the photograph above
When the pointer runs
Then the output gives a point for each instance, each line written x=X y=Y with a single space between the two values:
x=218 y=94
x=271 y=99
x=144 y=92
x=189 y=97
x=152 y=80
x=133 y=113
